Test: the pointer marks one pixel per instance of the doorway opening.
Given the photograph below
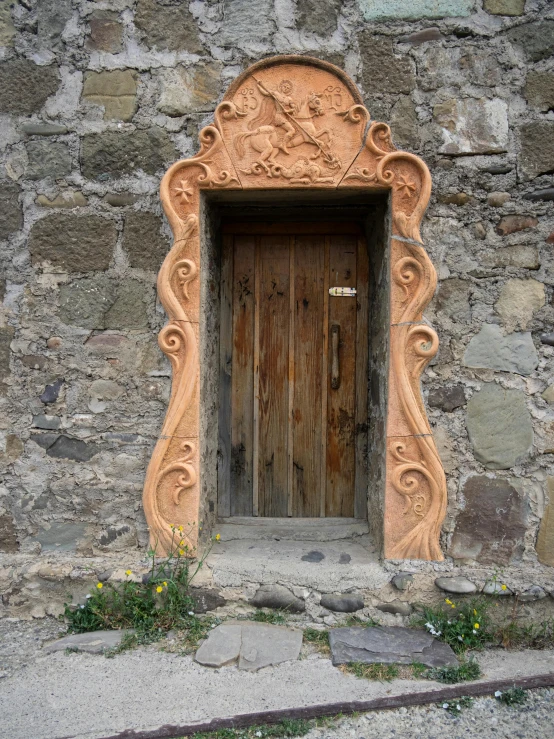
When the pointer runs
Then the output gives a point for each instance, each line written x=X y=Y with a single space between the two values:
x=302 y=295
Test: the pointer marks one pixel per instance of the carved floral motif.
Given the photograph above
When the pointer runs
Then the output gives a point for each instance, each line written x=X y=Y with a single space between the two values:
x=289 y=122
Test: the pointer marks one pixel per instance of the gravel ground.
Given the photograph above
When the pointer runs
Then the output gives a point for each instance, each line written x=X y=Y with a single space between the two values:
x=21 y=641
x=486 y=718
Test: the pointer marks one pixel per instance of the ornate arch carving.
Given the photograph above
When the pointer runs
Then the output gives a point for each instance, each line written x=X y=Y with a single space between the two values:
x=295 y=122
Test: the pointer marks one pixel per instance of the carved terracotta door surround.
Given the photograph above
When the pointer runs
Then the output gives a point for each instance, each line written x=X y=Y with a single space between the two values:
x=294 y=419
x=298 y=123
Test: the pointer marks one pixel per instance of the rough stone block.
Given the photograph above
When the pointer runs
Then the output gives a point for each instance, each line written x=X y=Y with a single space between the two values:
x=548 y=395
x=403 y=581
x=113 y=154
x=222 y=647
x=143 y=241
x=404 y=124
x=473 y=126
x=491 y=349
x=25 y=87
x=129 y=307
x=382 y=10
x=277 y=596
x=499 y=426
x=186 y=90
x=101 y=303
x=396 y=607
x=6 y=337
x=48 y=423
x=518 y=302
x=537 y=148
x=168 y=26
x=7 y=29
x=66 y=447
x=520 y=255
x=61 y=536
x=12 y=217
x=52 y=16
x=388 y=645
x=106 y=33
x=452 y=299
x=8 y=534
x=342 y=603
x=242 y=16
x=456 y=585
x=93 y=642
x=504 y=7
x=47 y=159
x=491 y=527
x=447 y=398
x=514 y=223
x=539 y=89
x=51 y=392
x=317 y=17
x=382 y=70
x=43 y=129
x=536 y=39
x=206 y=599
x=73 y=243
x=67 y=200
x=421 y=37
x=115 y=90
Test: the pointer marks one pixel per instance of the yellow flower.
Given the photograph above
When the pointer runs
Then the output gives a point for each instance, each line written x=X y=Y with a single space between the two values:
x=182 y=543
x=452 y=606
x=503 y=587
x=99 y=586
x=128 y=572
x=474 y=612
x=475 y=626
x=165 y=584
x=180 y=528
x=181 y=552
x=217 y=537
x=448 y=601
x=159 y=589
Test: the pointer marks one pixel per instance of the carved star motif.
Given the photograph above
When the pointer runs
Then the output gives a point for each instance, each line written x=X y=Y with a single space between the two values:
x=405 y=186
x=183 y=192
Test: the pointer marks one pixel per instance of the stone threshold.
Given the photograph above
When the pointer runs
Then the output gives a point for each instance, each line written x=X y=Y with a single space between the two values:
x=293 y=529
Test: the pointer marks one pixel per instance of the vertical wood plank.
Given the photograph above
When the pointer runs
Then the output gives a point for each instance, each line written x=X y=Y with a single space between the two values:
x=242 y=403
x=341 y=401
x=362 y=384
x=324 y=380
x=308 y=301
x=225 y=371
x=273 y=375
x=291 y=378
x=256 y=364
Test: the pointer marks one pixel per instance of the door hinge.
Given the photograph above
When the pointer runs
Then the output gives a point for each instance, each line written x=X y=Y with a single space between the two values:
x=342 y=292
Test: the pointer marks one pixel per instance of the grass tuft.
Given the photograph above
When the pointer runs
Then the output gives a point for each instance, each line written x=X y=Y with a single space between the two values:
x=286 y=728
x=456 y=705
x=461 y=673
x=374 y=671
x=269 y=617
x=511 y=697
x=319 y=638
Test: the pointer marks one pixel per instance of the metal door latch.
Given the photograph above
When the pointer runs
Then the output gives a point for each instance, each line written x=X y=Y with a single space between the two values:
x=342 y=292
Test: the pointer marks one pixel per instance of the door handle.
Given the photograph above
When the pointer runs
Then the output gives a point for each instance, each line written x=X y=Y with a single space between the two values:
x=335 y=366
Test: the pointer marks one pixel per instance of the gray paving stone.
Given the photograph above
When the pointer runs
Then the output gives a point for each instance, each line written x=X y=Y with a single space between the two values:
x=389 y=645
x=277 y=596
x=94 y=642
x=396 y=607
x=254 y=645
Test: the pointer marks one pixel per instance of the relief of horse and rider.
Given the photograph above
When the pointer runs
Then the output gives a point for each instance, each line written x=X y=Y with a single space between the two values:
x=282 y=124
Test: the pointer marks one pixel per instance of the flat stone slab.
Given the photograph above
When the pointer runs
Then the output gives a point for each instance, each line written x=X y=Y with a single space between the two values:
x=253 y=645
x=389 y=645
x=93 y=642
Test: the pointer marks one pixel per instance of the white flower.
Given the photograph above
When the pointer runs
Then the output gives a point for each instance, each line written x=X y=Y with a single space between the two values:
x=474 y=631
x=445 y=705
x=191 y=613
x=460 y=638
x=429 y=626
x=459 y=707
x=81 y=606
x=498 y=694
x=88 y=595
x=258 y=733
x=212 y=626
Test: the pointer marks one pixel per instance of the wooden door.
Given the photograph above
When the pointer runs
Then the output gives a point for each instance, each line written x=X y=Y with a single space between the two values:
x=294 y=361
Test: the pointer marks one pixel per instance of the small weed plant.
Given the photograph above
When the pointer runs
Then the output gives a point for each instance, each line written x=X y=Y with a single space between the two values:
x=456 y=706
x=357 y=621
x=461 y=673
x=153 y=607
x=269 y=617
x=463 y=626
x=286 y=728
x=511 y=697
x=374 y=671
x=319 y=638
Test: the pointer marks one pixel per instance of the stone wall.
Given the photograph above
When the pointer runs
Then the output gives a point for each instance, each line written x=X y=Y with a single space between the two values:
x=98 y=98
